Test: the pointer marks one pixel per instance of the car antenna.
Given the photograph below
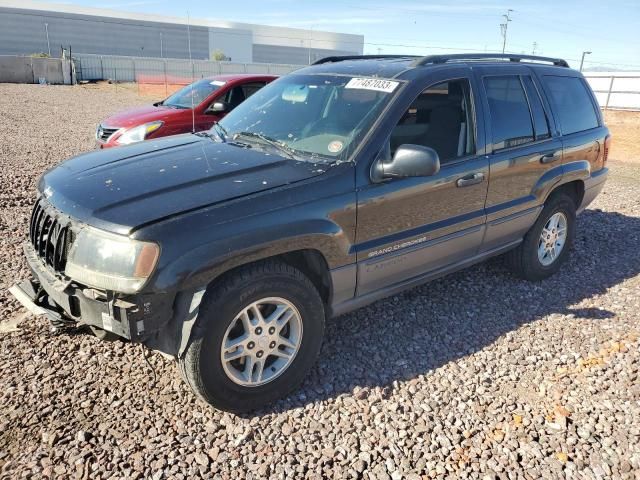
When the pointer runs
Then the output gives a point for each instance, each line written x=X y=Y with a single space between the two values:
x=193 y=113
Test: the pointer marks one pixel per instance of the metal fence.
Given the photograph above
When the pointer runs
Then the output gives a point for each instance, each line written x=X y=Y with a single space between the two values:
x=169 y=73
x=619 y=90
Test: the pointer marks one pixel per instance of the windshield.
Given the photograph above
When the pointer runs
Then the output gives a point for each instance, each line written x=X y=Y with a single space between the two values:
x=316 y=116
x=197 y=90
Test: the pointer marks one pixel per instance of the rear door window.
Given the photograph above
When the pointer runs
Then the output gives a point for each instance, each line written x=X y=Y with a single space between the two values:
x=511 y=123
x=572 y=103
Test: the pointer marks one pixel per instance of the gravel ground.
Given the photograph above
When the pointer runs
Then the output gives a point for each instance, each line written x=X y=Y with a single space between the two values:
x=475 y=375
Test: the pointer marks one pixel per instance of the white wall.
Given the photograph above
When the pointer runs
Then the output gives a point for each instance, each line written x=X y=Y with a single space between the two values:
x=235 y=43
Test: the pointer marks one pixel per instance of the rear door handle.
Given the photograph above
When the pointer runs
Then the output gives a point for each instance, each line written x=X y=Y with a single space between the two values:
x=469 y=180
x=548 y=158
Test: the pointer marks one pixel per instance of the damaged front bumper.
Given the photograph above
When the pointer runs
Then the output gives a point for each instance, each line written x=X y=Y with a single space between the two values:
x=138 y=318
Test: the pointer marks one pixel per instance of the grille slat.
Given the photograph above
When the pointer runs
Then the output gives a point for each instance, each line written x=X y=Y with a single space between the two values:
x=105 y=132
x=42 y=231
x=49 y=236
x=34 y=216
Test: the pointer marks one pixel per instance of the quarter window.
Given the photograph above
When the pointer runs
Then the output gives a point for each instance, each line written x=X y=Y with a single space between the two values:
x=572 y=103
x=510 y=116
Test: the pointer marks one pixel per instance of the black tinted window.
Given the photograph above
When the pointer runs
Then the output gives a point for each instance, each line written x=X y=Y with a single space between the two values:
x=510 y=115
x=572 y=103
x=251 y=88
x=540 y=123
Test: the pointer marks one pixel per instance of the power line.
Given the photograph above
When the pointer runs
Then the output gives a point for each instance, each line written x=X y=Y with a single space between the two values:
x=504 y=27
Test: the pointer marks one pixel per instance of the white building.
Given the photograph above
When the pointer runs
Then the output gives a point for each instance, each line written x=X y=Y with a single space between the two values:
x=28 y=27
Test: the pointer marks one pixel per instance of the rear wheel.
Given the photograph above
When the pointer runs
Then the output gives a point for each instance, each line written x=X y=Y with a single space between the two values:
x=546 y=245
x=258 y=334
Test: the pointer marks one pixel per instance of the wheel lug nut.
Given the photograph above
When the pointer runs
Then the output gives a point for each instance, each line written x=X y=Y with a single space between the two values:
x=259 y=354
x=272 y=330
x=258 y=331
x=250 y=345
x=272 y=345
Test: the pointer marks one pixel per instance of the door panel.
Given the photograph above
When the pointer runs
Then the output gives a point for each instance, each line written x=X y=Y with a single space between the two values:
x=512 y=205
x=411 y=226
x=408 y=227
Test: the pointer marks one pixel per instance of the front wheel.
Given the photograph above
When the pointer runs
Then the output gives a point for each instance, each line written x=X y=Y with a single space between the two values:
x=258 y=334
x=546 y=245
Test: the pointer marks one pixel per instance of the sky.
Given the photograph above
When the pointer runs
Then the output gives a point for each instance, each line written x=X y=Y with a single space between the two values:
x=561 y=28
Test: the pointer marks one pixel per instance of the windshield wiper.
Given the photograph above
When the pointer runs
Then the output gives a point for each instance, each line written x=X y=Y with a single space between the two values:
x=221 y=131
x=289 y=152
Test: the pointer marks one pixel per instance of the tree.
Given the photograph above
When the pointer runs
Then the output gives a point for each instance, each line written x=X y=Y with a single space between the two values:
x=219 y=56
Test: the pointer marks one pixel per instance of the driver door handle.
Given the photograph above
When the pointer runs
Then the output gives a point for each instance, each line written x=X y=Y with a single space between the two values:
x=469 y=180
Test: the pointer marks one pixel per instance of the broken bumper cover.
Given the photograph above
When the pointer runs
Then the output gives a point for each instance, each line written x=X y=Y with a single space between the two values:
x=134 y=317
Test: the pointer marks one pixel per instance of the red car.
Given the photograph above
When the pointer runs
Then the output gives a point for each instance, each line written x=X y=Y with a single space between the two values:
x=212 y=98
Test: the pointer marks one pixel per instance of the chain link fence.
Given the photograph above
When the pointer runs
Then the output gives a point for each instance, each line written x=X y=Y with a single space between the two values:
x=163 y=76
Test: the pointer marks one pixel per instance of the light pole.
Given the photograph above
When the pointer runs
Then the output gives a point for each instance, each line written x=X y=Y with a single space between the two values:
x=504 y=26
x=310 y=34
x=582 y=59
x=46 y=29
x=161 y=53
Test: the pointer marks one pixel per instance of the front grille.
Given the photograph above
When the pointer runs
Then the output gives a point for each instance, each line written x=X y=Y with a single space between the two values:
x=50 y=236
x=103 y=133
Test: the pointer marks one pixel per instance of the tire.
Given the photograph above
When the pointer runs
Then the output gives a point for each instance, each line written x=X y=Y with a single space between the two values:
x=215 y=381
x=524 y=260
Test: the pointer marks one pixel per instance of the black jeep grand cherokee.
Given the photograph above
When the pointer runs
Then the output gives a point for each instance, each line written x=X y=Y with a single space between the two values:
x=330 y=188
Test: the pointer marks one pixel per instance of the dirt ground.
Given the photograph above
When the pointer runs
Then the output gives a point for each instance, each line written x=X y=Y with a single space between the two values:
x=625 y=130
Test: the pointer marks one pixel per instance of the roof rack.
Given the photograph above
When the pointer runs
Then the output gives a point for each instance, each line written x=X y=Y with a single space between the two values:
x=343 y=58
x=439 y=59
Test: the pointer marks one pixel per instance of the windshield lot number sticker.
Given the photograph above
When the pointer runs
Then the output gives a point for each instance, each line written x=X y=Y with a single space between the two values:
x=374 y=84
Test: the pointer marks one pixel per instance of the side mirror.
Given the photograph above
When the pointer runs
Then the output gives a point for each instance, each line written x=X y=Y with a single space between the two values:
x=218 y=107
x=408 y=161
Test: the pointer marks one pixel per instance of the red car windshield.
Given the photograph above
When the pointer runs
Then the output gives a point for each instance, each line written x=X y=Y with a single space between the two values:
x=194 y=94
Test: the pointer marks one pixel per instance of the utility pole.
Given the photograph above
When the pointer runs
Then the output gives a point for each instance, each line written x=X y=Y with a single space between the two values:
x=533 y=50
x=582 y=59
x=161 y=52
x=504 y=27
x=46 y=29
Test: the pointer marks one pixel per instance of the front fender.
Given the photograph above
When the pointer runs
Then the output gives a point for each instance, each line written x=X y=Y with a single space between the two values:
x=203 y=264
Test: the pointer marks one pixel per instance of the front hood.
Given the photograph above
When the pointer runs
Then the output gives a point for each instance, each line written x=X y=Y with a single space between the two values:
x=138 y=116
x=122 y=188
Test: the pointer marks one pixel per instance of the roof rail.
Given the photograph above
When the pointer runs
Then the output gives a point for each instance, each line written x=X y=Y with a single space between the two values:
x=439 y=59
x=342 y=58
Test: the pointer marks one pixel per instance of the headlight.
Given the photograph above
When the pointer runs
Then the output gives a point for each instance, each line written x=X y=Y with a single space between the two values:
x=111 y=262
x=139 y=133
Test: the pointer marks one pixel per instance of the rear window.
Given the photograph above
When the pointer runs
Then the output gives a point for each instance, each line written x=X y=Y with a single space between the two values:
x=572 y=103
x=510 y=116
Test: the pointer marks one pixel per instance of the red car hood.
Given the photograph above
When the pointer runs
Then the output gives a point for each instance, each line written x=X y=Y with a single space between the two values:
x=140 y=115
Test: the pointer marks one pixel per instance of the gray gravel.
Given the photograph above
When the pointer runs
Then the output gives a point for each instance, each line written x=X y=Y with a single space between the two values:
x=475 y=375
